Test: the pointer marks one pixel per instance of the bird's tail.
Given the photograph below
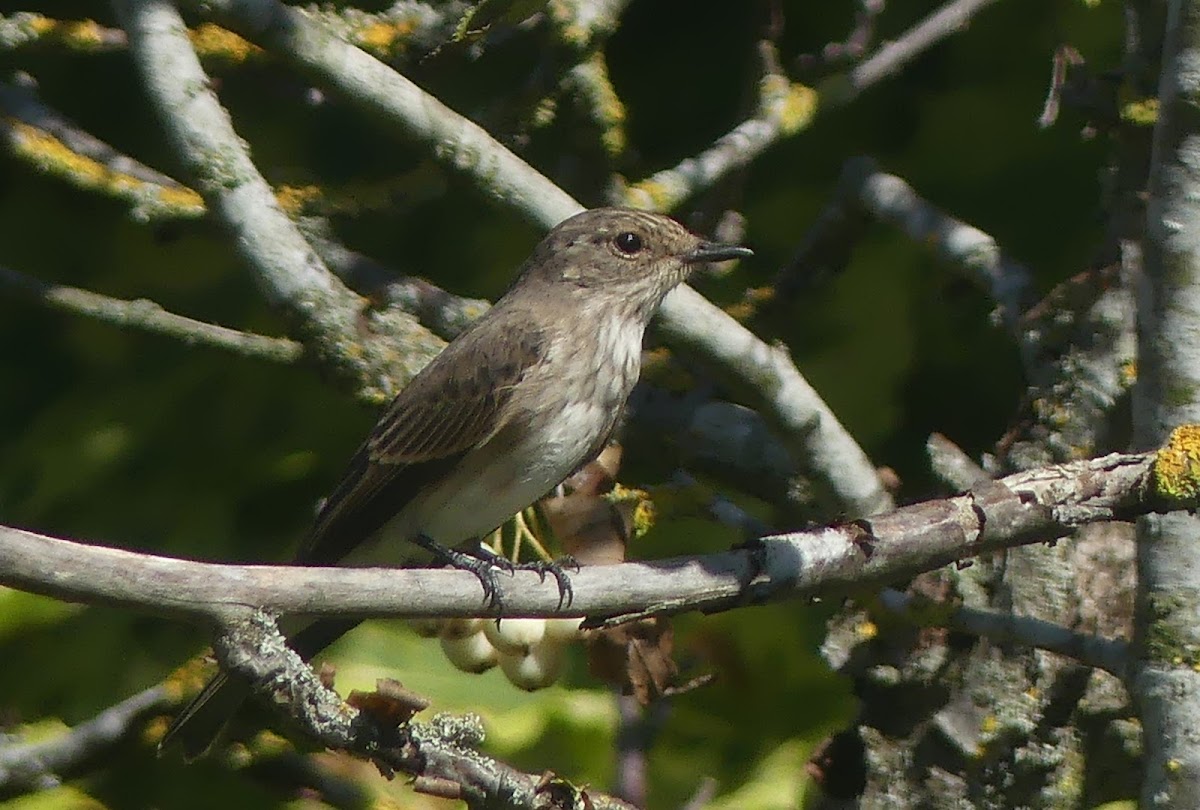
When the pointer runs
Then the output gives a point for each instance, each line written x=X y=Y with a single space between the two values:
x=201 y=722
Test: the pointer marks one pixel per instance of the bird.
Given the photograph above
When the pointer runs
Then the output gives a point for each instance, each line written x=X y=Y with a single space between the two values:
x=515 y=404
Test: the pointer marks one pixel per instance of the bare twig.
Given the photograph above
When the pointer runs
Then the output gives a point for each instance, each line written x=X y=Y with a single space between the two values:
x=952 y=465
x=949 y=19
x=26 y=767
x=850 y=49
x=148 y=316
x=1028 y=507
x=786 y=108
x=1111 y=655
x=888 y=198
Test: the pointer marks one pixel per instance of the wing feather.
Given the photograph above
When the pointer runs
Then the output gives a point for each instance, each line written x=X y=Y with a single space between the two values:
x=453 y=406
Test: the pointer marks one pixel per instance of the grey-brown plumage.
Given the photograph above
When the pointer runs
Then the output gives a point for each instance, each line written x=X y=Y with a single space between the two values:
x=508 y=410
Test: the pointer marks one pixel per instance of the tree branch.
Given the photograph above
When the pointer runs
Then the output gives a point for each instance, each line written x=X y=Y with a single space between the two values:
x=25 y=767
x=324 y=312
x=1111 y=655
x=1166 y=684
x=440 y=754
x=784 y=108
x=148 y=316
x=314 y=48
x=886 y=197
x=38 y=135
x=767 y=380
x=947 y=20
x=1028 y=507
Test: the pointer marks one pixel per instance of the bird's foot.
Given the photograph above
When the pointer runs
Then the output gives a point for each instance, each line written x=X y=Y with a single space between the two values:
x=558 y=570
x=483 y=566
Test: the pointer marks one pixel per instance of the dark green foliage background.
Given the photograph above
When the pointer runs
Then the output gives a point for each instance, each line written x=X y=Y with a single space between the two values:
x=142 y=442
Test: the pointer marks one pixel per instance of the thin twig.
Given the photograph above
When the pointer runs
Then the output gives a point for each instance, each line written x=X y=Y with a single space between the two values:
x=1111 y=655
x=784 y=109
x=26 y=767
x=949 y=19
x=148 y=316
x=889 y=198
x=952 y=465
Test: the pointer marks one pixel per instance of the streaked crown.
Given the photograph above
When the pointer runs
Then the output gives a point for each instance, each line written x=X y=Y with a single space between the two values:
x=636 y=254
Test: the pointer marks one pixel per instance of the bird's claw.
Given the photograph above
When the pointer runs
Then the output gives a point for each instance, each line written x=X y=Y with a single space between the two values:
x=557 y=569
x=484 y=566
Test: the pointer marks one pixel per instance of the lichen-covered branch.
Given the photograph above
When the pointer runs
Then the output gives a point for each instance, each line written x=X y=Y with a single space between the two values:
x=306 y=42
x=1166 y=685
x=327 y=316
x=784 y=108
x=34 y=133
x=440 y=755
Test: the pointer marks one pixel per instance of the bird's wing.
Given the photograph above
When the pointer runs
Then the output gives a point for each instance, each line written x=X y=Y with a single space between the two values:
x=451 y=407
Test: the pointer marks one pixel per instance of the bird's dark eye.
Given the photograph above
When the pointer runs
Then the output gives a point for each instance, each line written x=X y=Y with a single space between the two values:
x=628 y=242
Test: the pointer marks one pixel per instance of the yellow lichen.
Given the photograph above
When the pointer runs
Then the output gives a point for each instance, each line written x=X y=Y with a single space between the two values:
x=741 y=311
x=650 y=195
x=1142 y=112
x=85 y=34
x=180 y=199
x=644 y=512
x=50 y=155
x=215 y=42
x=866 y=630
x=1176 y=473
x=296 y=199
x=41 y=25
x=381 y=37
x=792 y=105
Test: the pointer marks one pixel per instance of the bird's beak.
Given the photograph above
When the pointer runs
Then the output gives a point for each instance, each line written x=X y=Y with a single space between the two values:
x=714 y=252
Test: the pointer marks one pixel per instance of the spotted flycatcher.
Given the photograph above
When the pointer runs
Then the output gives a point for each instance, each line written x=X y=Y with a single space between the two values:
x=513 y=406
